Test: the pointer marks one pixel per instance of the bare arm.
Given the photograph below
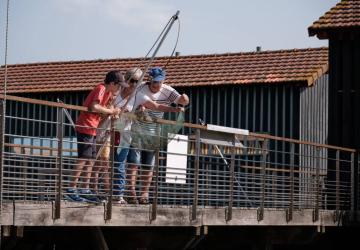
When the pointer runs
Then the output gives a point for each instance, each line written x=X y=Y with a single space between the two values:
x=161 y=107
x=183 y=100
x=96 y=107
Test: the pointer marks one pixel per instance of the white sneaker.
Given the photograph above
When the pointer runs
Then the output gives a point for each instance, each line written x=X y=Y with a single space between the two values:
x=120 y=200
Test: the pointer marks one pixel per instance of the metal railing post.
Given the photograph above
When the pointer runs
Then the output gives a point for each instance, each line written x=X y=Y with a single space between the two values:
x=59 y=160
x=357 y=193
x=289 y=214
x=317 y=185
x=260 y=212
x=196 y=175
x=108 y=213
x=232 y=179
x=352 y=184
x=2 y=143
x=337 y=186
x=156 y=186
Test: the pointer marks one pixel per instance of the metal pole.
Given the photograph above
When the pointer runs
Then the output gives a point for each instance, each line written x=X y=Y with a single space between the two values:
x=196 y=175
x=173 y=19
x=352 y=184
x=2 y=131
x=155 y=199
x=292 y=162
x=232 y=178
x=317 y=185
x=251 y=204
x=108 y=213
x=59 y=162
x=260 y=213
x=337 y=185
x=3 y=113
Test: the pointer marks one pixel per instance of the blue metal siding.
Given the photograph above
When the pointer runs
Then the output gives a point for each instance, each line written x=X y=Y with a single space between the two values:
x=281 y=110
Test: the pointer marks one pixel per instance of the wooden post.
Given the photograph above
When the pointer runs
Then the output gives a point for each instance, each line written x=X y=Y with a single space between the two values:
x=232 y=178
x=108 y=213
x=289 y=214
x=59 y=161
x=196 y=175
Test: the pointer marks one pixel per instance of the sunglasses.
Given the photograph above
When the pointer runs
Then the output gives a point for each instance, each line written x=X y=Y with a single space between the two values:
x=119 y=82
x=133 y=81
x=155 y=82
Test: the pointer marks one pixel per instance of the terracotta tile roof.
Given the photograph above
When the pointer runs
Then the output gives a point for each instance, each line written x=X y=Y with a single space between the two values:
x=302 y=66
x=344 y=15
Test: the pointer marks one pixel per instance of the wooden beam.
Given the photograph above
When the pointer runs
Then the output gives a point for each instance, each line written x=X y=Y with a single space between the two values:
x=81 y=214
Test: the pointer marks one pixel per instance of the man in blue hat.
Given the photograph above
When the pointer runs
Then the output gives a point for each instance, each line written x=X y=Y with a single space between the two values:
x=142 y=154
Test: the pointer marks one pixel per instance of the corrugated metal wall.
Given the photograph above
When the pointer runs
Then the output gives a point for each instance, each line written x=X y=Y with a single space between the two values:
x=265 y=109
x=344 y=99
x=282 y=110
x=313 y=115
x=38 y=112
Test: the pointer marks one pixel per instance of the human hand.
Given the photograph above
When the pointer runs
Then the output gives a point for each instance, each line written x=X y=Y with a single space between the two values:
x=141 y=108
x=184 y=99
x=115 y=111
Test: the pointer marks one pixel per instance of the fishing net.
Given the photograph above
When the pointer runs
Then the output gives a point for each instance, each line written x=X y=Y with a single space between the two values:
x=147 y=132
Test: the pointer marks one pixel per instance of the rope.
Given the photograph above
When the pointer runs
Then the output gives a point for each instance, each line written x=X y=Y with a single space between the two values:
x=176 y=43
x=158 y=41
x=175 y=17
x=2 y=139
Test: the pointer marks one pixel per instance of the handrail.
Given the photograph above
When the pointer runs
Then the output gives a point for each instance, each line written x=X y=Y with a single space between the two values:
x=13 y=145
x=186 y=124
x=75 y=151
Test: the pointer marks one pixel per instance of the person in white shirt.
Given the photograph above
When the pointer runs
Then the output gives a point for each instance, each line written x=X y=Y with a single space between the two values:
x=124 y=124
x=142 y=152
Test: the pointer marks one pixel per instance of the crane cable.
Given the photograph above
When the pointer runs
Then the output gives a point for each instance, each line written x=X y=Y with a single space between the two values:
x=3 y=111
x=6 y=47
x=157 y=42
x=175 y=46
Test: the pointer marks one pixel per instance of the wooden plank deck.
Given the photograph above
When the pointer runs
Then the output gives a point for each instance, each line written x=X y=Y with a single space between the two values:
x=81 y=214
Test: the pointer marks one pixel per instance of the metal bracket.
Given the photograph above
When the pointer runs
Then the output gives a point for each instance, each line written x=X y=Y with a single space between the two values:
x=289 y=214
x=228 y=214
x=336 y=216
x=200 y=233
x=260 y=214
x=315 y=215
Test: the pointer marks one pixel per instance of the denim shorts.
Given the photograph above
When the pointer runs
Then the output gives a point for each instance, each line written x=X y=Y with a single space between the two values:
x=143 y=158
x=86 y=146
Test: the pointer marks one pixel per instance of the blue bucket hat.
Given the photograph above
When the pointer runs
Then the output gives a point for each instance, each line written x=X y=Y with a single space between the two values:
x=157 y=74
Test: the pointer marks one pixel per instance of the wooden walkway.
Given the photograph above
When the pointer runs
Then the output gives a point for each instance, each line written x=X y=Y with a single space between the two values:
x=81 y=214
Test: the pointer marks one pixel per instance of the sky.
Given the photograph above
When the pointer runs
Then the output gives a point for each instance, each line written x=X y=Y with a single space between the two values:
x=72 y=30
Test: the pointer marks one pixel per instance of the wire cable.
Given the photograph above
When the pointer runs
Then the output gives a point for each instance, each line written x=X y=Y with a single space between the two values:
x=176 y=43
x=6 y=47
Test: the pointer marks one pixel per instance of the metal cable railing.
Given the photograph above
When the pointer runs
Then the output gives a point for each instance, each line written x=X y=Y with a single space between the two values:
x=247 y=171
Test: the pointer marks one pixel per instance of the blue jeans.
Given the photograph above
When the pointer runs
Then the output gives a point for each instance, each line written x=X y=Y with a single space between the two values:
x=145 y=159
x=119 y=170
